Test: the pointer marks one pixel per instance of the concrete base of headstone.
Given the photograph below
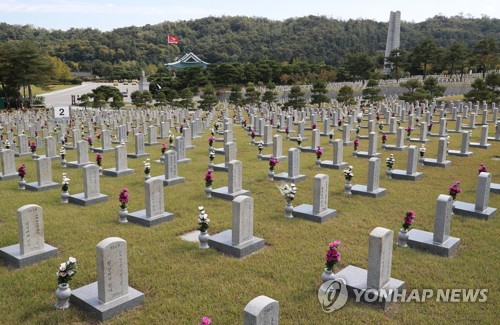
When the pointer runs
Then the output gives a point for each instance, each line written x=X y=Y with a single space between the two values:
x=308 y=149
x=183 y=161
x=267 y=157
x=305 y=211
x=365 y=154
x=149 y=144
x=75 y=164
x=79 y=199
x=356 y=281
x=190 y=147
x=418 y=140
x=493 y=139
x=434 y=163
x=114 y=173
x=494 y=188
x=219 y=151
x=459 y=153
x=220 y=168
x=101 y=150
x=363 y=191
x=12 y=255
x=219 y=139
x=22 y=154
x=86 y=298
x=141 y=155
x=223 y=243
x=52 y=158
x=295 y=139
x=7 y=177
x=171 y=181
x=35 y=187
x=140 y=217
x=331 y=165
x=363 y=137
x=265 y=144
x=222 y=193
x=348 y=143
x=393 y=147
x=286 y=178
x=424 y=240
x=437 y=135
x=401 y=174
x=119 y=142
x=478 y=145
x=469 y=210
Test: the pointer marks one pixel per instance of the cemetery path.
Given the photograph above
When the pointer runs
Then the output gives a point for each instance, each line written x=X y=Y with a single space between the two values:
x=63 y=97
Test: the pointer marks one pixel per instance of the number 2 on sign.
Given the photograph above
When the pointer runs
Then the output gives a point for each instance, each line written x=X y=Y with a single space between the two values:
x=61 y=112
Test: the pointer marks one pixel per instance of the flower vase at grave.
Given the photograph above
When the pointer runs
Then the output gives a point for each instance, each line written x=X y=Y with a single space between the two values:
x=162 y=159
x=327 y=275
x=402 y=237
x=147 y=176
x=64 y=196
x=288 y=209
x=388 y=172
x=63 y=163
x=203 y=238
x=259 y=155
x=122 y=214
x=34 y=156
x=318 y=162
x=22 y=184
x=63 y=293
x=347 y=187
x=355 y=153
x=270 y=175
x=208 y=191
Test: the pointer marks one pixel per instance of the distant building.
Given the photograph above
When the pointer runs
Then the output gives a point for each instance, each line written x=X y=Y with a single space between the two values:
x=187 y=61
x=393 y=38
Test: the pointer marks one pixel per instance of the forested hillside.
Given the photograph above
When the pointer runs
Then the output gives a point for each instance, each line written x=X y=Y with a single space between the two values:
x=311 y=39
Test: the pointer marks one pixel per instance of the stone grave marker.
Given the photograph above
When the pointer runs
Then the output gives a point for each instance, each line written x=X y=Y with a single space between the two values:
x=121 y=164
x=111 y=294
x=319 y=211
x=171 y=176
x=440 y=242
x=261 y=310
x=480 y=209
x=235 y=183
x=372 y=189
x=238 y=241
x=44 y=176
x=32 y=247
x=139 y=147
x=9 y=170
x=410 y=174
x=293 y=175
x=154 y=213
x=338 y=153
x=91 y=188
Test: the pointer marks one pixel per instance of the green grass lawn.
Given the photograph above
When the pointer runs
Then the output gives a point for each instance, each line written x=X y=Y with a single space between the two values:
x=38 y=91
x=182 y=283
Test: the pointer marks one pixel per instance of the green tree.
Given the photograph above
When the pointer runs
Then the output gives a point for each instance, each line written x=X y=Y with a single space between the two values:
x=372 y=92
x=85 y=100
x=295 y=98
x=251 y=94
x=397 y=58
x=424 y=54
x=456 y=55
x=161 y=99
x=186 y=96
x=319 y=93
x=359 y=65
x=485 y=89
x=141 y=98
x=98 y=101
x=235 y=97
x=208 y=99
x=346 y=95
x=117 y=101
x=415 y=91
x=269 y=95
x=432 y=86
x=485 y=53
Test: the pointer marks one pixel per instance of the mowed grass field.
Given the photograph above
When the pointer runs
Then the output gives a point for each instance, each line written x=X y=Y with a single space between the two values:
x=182 y=283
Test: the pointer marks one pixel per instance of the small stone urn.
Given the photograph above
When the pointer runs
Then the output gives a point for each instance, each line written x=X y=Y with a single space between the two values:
x=403 y=237
x=64 y=196
x=63 y=293
x=22 y=184
x=289 y=209
x=347 y=187
x=122 y=214
x=327 y=275
x=203 y=238
x=208 y=191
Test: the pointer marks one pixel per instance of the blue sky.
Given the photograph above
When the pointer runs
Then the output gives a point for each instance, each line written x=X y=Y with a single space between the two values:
x=107 y=15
